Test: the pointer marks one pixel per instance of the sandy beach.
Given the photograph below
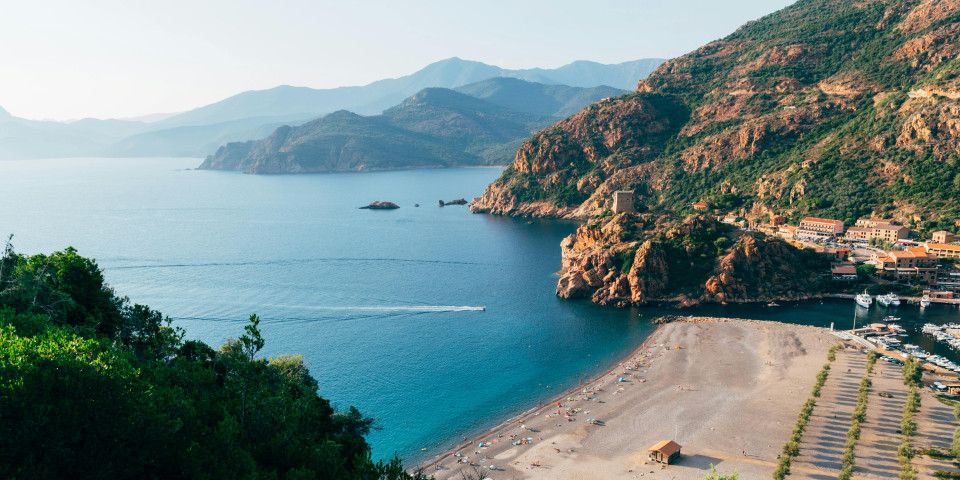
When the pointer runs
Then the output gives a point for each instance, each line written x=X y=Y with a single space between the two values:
x=728 y=391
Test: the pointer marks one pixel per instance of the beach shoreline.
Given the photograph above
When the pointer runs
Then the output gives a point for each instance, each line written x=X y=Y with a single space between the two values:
x=557 y=440
x=512 y=419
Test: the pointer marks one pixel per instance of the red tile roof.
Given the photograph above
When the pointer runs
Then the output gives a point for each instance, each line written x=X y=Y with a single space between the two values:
x=821 y=220
x=666 y=447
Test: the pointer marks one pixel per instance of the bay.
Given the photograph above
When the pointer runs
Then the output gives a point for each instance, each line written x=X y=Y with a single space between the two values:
x=377 y=302
x=381 y=304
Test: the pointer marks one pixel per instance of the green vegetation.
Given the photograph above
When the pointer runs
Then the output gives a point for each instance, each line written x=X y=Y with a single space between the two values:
x=908 y=427
x=87 y=379
x=912 y=372
x=883 y=244
x=859 y=415
x=713 y=475
x=832 y=353
x=872 y=356
x=763 y=127
x=936 y=454
x=822 y=376
x=955 y=444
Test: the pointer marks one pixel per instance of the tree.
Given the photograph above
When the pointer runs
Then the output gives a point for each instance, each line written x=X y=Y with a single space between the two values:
x=713 y=475
x=94 y=387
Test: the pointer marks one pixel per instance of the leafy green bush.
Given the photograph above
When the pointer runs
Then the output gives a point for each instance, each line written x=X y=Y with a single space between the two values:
x=87 y=379
x=871 y=360
x=783 y=468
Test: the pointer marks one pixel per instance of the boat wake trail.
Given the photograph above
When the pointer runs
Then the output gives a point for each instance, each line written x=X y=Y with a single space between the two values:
x=401 y=308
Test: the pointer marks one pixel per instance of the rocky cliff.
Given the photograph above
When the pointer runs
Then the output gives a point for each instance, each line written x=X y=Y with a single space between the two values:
x=841 y=108
x=631 y=259
x=835 y=108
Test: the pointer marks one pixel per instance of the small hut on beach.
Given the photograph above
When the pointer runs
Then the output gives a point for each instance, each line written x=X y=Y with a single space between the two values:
x=664 y=452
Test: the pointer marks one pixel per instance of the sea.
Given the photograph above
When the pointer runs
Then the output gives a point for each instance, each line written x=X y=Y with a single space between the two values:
x=437 y=322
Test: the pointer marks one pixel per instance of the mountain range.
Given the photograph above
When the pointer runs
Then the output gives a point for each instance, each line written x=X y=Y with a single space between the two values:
x=255 y=114
x=436 y=127
x=838 y=108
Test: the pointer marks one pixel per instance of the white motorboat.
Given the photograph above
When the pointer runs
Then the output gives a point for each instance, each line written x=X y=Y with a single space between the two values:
x=864 y=300
x=924 y=301
x=894 y=299
x=883 y=300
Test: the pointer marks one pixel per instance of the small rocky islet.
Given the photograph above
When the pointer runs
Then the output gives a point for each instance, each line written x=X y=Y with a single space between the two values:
x=381 y=206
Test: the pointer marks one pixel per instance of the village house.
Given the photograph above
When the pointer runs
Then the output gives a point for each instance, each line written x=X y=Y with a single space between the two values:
x=819 y=228
x=869 y=228
x=943 y=236
x=664 y=452
x=777 y=220
x=858 y=233
x=942 y=250
x=788 y=232
x=948 y=279
x=872 y=222
x=700 y=206
x=907 y=265
x=889 y=232
x=837 y=254
x=845 y=272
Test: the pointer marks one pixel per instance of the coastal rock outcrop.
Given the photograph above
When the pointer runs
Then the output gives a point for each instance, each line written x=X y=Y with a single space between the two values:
x=631 y=259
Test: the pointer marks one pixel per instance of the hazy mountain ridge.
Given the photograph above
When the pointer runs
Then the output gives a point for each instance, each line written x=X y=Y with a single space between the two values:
x=434 y=128
x=375 y=97
x=553 y=100
x=833 y=107
x=254 y=114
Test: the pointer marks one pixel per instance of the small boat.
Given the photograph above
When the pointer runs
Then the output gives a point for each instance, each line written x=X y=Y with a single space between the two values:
x=925 y=301
x=864 y=300
x=896 y=328
x=773 y=304
x=891 y=318
x=883 y=300
x=931 y=328
x=894 y=299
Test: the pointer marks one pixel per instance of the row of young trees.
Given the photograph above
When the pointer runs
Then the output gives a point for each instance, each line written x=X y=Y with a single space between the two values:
x=791 y=449
x=93 y=386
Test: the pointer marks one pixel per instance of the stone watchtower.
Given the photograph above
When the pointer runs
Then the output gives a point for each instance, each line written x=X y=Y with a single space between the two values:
x=623 y=201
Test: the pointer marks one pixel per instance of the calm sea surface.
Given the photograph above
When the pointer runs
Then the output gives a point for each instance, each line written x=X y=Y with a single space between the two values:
x=377 y=302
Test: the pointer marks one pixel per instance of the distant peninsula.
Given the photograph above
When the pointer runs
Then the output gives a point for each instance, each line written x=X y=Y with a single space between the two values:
x=437 y=127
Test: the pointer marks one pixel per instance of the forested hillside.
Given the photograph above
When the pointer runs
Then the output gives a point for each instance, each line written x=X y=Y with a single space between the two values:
x=94 y=386
x=840 y=108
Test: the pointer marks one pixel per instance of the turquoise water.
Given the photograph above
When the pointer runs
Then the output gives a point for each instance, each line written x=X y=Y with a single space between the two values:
x=378 y=302
x=374 y=300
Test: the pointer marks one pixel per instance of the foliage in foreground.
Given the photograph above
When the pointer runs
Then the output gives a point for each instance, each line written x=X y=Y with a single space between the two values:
x=94 y=387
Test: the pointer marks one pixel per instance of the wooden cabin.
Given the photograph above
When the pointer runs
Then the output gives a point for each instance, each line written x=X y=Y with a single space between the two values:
x=664 y=452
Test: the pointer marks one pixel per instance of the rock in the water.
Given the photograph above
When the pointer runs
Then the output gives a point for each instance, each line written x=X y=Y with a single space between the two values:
x=382 y=206
x=459 y=201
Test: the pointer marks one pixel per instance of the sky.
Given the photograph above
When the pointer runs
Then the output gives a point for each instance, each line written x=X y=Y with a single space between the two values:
x=69 y=59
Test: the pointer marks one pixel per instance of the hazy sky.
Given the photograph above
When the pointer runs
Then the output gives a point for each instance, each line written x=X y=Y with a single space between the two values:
x=62 y=59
